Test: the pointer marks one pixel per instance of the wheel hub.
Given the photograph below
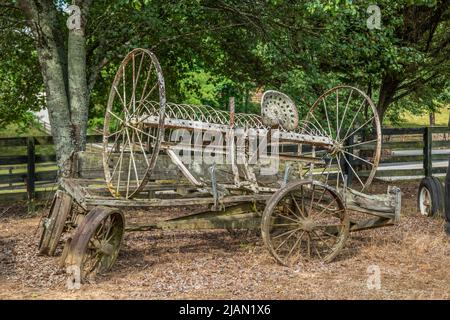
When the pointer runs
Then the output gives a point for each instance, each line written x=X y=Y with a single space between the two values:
x=336 y=148
x=307 y=225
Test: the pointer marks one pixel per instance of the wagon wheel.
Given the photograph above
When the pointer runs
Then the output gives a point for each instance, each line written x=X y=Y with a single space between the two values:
x=129 y=148
x=347 y=116
x=53 y=225
x=303 y=221
x=96 y=242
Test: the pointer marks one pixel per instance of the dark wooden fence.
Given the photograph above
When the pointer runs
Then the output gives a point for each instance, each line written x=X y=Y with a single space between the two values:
x=28 y=170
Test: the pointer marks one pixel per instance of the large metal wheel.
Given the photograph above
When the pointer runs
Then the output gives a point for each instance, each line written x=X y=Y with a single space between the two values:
x=96 y=242
x=347 y=116
x=305 y=220
x=129 y=148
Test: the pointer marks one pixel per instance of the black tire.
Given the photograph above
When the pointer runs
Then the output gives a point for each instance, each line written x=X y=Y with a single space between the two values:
x=441 y=197
x=447 y=195
x=430 y=197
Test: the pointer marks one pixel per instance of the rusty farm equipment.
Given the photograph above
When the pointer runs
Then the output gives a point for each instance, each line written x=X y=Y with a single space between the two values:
x=300 y=192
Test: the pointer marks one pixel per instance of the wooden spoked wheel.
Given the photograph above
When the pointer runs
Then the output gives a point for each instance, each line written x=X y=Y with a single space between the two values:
x=347 y=116
x=96 y=242
x=130 y=148
x=303 y=221
x=54 y=224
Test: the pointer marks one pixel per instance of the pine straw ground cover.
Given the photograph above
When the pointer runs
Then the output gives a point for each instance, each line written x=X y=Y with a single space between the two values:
x=413 y=257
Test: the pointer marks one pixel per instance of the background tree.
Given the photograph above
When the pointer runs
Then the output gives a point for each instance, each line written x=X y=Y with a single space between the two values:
x=211 y=49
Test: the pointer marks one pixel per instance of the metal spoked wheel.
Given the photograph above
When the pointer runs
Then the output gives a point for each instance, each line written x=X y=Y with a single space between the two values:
x=347 y=116
x=129 y=148
x=303 y=221
x=96 y=242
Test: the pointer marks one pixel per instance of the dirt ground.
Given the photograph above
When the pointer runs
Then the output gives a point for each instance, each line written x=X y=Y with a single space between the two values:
x=413 y=258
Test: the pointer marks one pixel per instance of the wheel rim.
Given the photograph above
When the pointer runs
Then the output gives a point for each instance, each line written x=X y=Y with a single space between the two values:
x=129 y=148
x=425 y=202
x=103 y=246
x=347 y=116
x=304 y=221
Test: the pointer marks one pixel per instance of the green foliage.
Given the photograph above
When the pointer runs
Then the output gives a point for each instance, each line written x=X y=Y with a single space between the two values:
x=213 y=49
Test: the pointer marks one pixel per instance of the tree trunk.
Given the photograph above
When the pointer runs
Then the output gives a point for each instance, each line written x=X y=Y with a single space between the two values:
x=387 y=92
x=42 y=19
x=78 y=89
x=64 y=74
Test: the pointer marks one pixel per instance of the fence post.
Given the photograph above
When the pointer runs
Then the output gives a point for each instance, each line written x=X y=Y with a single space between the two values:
x=31 y=176
x=427 y=148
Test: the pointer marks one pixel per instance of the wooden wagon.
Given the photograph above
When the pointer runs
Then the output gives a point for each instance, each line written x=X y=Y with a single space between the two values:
x=297 y=177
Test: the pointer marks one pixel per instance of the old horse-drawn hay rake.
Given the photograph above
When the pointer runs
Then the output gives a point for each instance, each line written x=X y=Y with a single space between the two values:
x=285 y=173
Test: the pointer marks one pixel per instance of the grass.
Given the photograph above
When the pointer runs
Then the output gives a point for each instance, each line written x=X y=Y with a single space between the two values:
x=410 y=120
x=13 y=130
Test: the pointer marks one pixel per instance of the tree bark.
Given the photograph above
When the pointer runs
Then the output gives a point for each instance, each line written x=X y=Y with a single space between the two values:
x=387 y=92
x=42 y=19
x=78 y=87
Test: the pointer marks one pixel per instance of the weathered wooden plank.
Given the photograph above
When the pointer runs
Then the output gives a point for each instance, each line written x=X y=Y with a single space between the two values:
x=237 y=221
x=111 y=202
x=235 y=217
x=401 y=131
x=13 y=142
x=418 y=158
x=382 y=205
x=405 y=145
x=402 y=172
x=74 y=189
x=371 y=224
x=20 y=177
x=440 y=129
x=9 y=160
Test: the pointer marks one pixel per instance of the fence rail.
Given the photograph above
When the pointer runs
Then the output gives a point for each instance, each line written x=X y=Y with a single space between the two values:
x=29 y=173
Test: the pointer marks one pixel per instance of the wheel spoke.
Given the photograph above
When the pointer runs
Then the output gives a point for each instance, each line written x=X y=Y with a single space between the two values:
x=117 y=164
x=115 y=116
x=345 y=112
x=360 y=143
x=359 y=128
x=353 y=170
x=142 y=148
x=298 y=207
x=287 y=238
x=286 y=217
x=118 y=94
x=337 y=112
x=295 y=245
x=358 y=157
x=326 y=114
x=132 y=158
x=322 y=240
x=354 y=118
